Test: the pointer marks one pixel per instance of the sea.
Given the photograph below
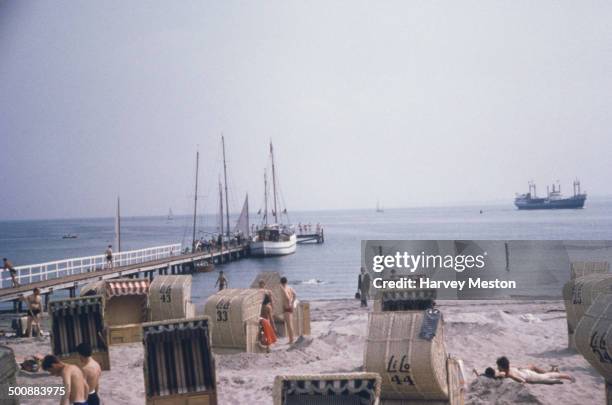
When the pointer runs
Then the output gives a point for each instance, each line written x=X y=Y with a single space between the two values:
x=316 y=271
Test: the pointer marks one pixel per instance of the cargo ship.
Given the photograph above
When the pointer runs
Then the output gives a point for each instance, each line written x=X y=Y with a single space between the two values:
x=553 y=200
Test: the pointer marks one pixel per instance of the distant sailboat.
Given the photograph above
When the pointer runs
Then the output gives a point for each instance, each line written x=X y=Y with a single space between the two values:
x=379 y=208
x=170 y=216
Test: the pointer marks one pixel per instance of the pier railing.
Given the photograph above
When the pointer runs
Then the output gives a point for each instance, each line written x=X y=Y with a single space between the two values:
x=62 y=268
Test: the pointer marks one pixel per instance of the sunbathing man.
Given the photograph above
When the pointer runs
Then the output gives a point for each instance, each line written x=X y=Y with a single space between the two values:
x=92 y=372
x=530 y=374
x=288 y=301
x=74 y=381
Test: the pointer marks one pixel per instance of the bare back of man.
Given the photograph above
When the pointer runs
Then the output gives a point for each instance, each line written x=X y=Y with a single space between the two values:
x=92 y=372
x=76 y=386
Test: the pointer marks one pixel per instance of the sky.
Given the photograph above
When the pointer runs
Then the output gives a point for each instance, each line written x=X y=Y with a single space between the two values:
x=411 y=103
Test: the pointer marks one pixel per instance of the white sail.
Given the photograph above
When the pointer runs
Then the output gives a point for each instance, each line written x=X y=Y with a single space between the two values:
x=242 y=226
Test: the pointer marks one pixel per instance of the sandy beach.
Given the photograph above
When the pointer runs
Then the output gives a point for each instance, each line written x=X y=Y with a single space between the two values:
x=528 y=332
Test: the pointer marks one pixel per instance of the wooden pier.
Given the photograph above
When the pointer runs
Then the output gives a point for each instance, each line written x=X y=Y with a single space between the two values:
x=317 y=237
x=72 y=273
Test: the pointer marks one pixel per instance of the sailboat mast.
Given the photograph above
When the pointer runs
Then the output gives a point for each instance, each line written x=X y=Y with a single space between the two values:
x=265 y=198
x=195 y=203
x=275 y=212
x=118 y=226
x=248 y=229
x=225 y=178
x=221 y=206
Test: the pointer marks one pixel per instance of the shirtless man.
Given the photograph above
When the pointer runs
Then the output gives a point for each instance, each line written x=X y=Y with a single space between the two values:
x=34 y=310
x=288 y=300
x=72 y=377
x=530 y=374
x=8 y=266
x=92 y=372
x=221 y=281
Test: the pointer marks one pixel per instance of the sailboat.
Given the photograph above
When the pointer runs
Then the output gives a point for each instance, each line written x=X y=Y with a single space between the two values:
x=378 y=207
x=170 y=216
x=273 y=239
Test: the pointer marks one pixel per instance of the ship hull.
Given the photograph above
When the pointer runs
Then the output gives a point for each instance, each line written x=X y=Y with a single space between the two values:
x=576 y=202
x=274 y=248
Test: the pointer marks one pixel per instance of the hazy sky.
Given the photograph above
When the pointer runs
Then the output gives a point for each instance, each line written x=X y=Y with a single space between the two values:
x=409 y=102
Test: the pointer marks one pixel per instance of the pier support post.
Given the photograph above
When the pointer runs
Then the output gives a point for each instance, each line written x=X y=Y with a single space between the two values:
x=72 y=292
x=46 y=302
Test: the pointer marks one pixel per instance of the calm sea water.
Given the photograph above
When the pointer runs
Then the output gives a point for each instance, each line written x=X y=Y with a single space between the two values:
x=321 y=271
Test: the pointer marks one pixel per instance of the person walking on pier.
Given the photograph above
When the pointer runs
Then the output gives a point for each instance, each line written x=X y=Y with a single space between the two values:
x=363 y=286
x=8 y=266
x=221 y=281
x=109 y=256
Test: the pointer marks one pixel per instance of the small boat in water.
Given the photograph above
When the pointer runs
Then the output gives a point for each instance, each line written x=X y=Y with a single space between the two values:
x=69 y=236
x=274 y=239
x=553 y=200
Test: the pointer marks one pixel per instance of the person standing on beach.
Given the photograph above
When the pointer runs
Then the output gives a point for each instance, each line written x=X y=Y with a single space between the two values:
x=8 y=266
x=109 y=256
x=34 y=310
x=288 y=302
x=221 y=281
x=92 y=372
x=363 y=286
x=75 y=385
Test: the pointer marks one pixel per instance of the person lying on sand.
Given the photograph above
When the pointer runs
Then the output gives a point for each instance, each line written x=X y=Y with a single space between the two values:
x=529 y=374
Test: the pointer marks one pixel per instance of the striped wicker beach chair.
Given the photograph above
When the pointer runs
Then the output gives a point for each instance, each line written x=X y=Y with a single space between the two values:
x=125 y=307
x=75 y=321
x=327 y=389
x=179 y=366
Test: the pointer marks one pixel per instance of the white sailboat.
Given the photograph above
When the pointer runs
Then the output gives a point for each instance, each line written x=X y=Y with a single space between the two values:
x=273 y=239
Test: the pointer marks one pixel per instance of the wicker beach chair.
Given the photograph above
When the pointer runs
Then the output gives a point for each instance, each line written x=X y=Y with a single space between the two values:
x=170 y=298
x=75 y=321
x=407 y=349
x=125 y=307
x=234 y=314
x=581 y=269
x=179 y=366
x=594 y=338
x=327 y=389
x=8 y=373
x=578 y=295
